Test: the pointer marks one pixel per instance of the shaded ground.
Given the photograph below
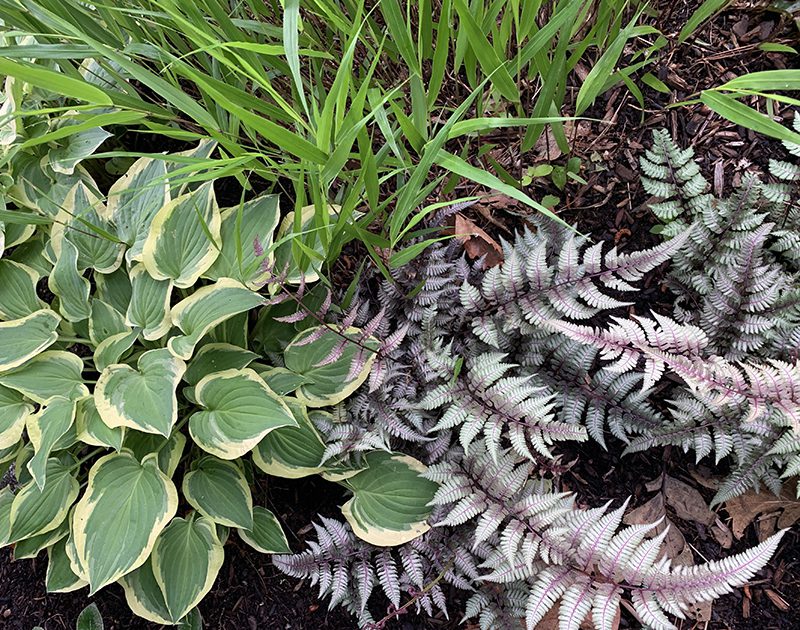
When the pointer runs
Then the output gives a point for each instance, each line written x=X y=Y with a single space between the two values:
x=250 y=594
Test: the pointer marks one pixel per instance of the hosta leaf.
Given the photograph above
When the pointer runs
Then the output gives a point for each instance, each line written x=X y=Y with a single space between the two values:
x=239 y=410
x=105 y=321
x=38 y=510
x=186 y=559
x=328 y=384
x=206 y=308
x=390 y=504
x=232 y=331
x=135 y=198
x=142 y=399
x=48 y=375
x=183 y=238
x=6 y=499
x=241 y=227
x=114 y=289
x=31 y=547
x=218 y=489
x=92 y=430
x=82 y=223
x=292 y=452
x=18 y=290
x=90 y=619
x=69 y=285
x=266 y=534
x=60 y=578
x=168 y=450
x=122 y=495
x=285 y=258
x=13 y=413
x=21 y=339
x=45 y=429
x=217 y=357
x=149 y=304
x=111 y=349
x=143 y=594
x=281 y=380
x=75 y=148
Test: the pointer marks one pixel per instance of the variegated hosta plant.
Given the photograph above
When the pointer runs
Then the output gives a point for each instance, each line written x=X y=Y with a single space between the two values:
x=131 y=405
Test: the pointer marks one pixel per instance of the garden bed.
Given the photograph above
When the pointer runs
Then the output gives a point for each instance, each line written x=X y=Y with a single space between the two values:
x=610 y=205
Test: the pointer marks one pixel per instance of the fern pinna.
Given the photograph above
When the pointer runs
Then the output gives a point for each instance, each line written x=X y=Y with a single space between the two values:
x=493 y=370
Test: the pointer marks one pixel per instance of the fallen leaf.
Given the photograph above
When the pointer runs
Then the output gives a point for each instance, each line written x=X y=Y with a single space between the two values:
x=702 y=475
x=688 y=503
x=675 y=547
x=648 y=512
x=477 y=243
x=722 y=533
x=745 y=508
x=701 y=611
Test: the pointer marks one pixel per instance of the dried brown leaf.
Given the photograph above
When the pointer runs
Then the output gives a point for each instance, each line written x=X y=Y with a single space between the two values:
x=477 y=243
x=745 y=508
x=688 y=503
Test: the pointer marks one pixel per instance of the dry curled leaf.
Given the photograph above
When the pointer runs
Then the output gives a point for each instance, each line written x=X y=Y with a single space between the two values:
x=745 y=508
x=688 y=503
x=675 y=546
x=477 y=243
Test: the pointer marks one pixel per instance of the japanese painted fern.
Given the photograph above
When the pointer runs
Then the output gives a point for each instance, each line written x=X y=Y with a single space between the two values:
x=498 y=368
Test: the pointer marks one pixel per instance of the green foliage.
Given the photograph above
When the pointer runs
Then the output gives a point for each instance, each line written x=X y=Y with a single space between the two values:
x=128 y=375
x=345 y=102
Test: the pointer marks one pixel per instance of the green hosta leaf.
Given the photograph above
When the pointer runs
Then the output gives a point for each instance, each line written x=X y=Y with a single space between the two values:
x=122 y=495
x=292 y=452
x=328 y=384
x=183 y=238
x=170 y=455
x=254 y=220
x=76 y=147
x=206 y=308
x=232 y=331
x=21 y=339
x=82 y=223
x=390 y=500
x=18 y=297
x=69 y=285
x=239 y=411
x=218 y=489
x=105 y=321
x=134 y=200
x=281 y=380
x=312 y=245
x=48 y=375
x=114 y=289
x=110 y=350
x=266 y=534
x=90 y=619
x=6 y=499
x=217 y=357
x=45 y=429
x=13 y=413
x=92 y=430
x=31 y=547
x=149 y=304
x=143 y=594
x=142 y=399
x=31 y=254
x=38 y=510
x=186 y=560
x=60 y=577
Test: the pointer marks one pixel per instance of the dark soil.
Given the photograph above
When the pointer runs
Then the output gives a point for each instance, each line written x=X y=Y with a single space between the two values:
x=251 y=594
